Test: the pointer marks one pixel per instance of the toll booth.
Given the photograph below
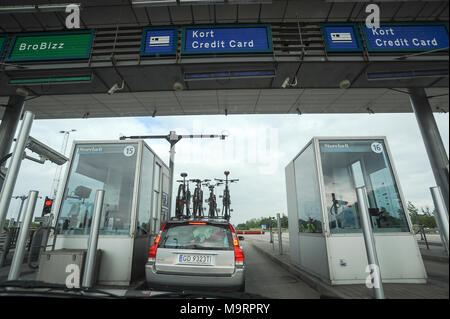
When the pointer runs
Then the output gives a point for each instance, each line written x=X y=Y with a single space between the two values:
x=325 y=233
x=136 y=184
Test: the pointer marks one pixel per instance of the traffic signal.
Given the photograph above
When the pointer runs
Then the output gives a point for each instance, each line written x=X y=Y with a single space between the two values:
x=47 y=206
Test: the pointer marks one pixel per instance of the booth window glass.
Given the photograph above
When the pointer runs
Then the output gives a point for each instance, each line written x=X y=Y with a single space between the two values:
x=145 y=193
x=349 y=164
x=111 y=167
x=308 y=194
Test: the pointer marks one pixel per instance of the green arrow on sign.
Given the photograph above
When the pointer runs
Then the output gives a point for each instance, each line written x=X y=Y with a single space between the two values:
x=51 y=46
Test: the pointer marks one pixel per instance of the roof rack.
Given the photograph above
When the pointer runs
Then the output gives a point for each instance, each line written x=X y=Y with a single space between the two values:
x=191 y=218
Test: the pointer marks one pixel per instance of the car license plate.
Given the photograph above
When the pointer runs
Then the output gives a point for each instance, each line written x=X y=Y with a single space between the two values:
x=195 y=259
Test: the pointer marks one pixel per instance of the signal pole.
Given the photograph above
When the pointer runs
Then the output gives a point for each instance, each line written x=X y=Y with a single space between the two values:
x=58 y=171
x=23 y=198
x=173 y=139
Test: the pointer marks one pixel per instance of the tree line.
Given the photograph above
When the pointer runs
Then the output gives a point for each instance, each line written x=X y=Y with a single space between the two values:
x=258 y=222
x=423 y=217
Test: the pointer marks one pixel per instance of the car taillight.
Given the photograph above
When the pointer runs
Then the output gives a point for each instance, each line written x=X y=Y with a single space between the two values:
x=154 y=247
x=238 y=253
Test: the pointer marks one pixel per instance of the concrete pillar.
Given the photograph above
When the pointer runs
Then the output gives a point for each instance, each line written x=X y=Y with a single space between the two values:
x=432 y=139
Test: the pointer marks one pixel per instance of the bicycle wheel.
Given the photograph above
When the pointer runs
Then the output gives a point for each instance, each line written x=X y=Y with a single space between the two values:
x=195 y=203
x=200 y=203
x=179 y=204
x=188 y=203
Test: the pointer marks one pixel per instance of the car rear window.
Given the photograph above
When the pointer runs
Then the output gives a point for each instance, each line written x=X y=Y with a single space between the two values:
x=187 y=236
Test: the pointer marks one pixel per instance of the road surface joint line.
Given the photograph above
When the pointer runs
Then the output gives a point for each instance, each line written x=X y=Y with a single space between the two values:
x=314 y=283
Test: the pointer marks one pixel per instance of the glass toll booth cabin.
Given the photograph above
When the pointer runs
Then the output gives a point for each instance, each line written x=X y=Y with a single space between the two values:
x=136 y=184
x=325 y=232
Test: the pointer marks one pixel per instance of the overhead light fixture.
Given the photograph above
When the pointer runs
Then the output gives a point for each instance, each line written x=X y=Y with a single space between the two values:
x=51 y=80
x=153 y=3
x=36 y=8
x=401 y=75
x=345 y=84
x=250 y=1
x=17 y=9
x=177 y=86
x=200 y=2
x=229 y=75
x=56 y=7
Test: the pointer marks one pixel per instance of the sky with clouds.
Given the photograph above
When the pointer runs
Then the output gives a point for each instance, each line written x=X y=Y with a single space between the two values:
x=256 y=151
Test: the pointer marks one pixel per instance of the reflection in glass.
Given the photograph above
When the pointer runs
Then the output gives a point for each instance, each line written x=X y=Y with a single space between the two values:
x=347 y=165
x=308 y=194
x=101 y=166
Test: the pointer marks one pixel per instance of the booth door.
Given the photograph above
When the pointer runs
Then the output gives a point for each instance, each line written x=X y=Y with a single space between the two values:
x=348 y=164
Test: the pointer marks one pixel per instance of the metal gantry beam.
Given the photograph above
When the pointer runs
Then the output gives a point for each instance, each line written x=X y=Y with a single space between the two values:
x=173 y=139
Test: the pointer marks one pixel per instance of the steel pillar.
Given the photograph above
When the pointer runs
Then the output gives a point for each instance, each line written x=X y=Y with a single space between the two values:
x=432 y=139
x=9 y=123
x=14 y=167
x=19 y=253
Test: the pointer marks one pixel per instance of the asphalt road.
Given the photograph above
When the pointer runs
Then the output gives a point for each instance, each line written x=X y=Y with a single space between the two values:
x=266 y=278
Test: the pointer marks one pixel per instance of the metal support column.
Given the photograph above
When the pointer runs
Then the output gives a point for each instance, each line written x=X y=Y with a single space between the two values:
x=9 y=123
x=19 y=252
x=432 y=139
x=88 y=276
x=441 y=214
x=280 y=241
x=171 y=171
x=369 y=241
x=13 y=170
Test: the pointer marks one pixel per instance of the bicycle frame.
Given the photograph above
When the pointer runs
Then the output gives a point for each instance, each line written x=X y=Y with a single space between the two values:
x=183 y=198
x=197 y=199
x=226 y=201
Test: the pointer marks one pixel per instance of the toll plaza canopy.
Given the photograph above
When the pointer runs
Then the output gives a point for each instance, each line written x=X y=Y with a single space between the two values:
x=179 y=57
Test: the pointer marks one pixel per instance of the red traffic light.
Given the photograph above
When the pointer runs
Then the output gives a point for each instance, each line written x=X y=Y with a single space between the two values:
x=48 y=203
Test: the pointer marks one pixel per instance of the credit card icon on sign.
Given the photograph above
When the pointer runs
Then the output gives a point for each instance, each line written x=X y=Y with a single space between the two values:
x=159 y=41
x=341 y=37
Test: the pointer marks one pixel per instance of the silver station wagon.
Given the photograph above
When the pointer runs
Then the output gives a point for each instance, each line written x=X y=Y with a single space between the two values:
x=196 y=254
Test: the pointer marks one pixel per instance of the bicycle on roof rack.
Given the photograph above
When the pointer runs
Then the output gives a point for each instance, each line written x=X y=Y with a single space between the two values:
x=183 y=198
x=226 y=200
x=197 y=198
x=212 y=203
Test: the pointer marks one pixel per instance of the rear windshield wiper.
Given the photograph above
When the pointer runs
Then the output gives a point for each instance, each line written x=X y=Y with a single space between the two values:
x=207 y=294
x=34 y=284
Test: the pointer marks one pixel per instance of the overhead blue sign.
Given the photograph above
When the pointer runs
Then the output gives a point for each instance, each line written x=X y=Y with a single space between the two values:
x=341 y=37
x=227 y=39
x=405 y=38
x=159 y=41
